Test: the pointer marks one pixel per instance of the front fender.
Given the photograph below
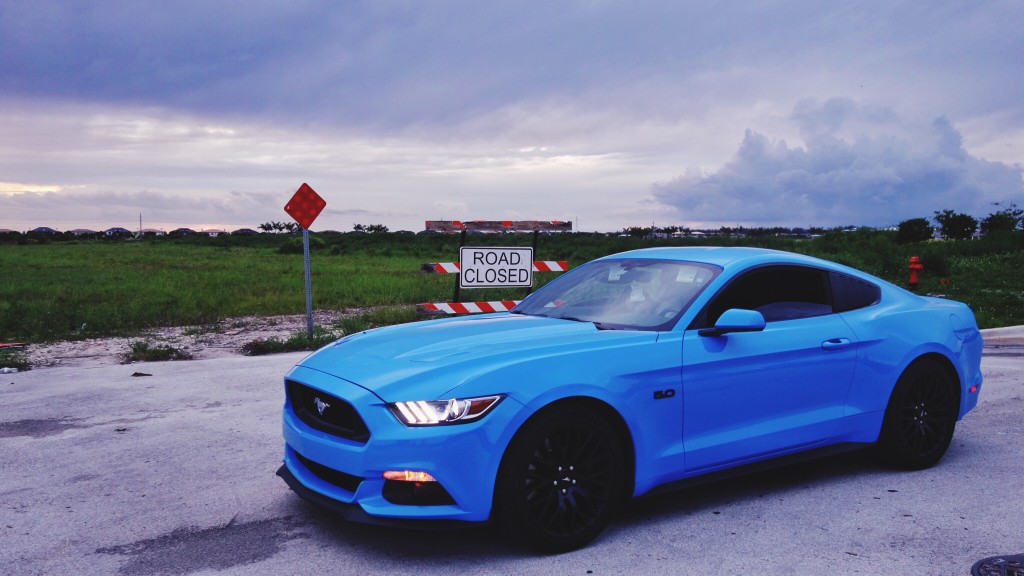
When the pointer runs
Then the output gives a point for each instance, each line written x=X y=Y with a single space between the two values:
x=640 y=381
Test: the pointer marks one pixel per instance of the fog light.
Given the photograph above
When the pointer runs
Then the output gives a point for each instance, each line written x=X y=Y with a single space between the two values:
x=408 y=476
x=414 y=488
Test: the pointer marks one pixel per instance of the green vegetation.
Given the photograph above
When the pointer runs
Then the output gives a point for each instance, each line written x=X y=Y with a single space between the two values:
x=1003 y=220
x=78 y=289
x=383 y=316
x=146 y=351
x=294 y=343
x=10 y=358
x=956 y=225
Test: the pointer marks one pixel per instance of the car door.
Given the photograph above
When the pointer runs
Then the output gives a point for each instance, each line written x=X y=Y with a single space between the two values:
x=750 y=395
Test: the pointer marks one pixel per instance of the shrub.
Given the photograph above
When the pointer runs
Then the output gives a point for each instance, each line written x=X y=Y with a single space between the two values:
x=294 y=245
x=12 y=358
x=143 y=351
x=297 y=342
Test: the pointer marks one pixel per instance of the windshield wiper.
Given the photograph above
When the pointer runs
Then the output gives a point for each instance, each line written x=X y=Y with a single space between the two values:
x=596 y=324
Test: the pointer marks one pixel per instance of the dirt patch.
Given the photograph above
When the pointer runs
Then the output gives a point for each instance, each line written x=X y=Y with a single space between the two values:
x=225 y=338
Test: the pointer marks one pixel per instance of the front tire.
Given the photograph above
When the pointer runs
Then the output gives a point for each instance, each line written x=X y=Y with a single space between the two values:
x=561 y=480
x=920 y=418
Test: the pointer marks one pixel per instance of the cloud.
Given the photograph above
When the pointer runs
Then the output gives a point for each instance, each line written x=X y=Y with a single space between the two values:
x=394 y=66
x=108 y=208
x=550 y=109
x=101 y=209
x=859 y=164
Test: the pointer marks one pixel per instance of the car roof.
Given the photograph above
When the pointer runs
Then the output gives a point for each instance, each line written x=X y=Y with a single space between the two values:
x=724 y=256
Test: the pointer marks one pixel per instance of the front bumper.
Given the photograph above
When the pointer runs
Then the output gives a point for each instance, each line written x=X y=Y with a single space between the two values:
x=353 y=513
x=346 y=475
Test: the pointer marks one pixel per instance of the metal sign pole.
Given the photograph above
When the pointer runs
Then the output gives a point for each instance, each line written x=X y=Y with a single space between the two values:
x=304 y=206
x=309 y=289
x=536 y=234
x=458 y=278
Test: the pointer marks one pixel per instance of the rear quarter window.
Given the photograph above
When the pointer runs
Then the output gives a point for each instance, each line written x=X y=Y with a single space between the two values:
x=849 y=293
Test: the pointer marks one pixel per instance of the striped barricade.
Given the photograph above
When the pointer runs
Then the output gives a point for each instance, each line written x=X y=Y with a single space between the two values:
x=466 y=307
x=478 y=307
x=453 y=267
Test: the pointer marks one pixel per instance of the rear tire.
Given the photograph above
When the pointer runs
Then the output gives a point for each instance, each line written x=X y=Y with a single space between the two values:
x=920 y=418
x=561 y=480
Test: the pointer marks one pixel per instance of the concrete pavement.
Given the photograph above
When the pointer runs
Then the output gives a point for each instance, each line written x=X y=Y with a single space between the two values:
x=107 y=471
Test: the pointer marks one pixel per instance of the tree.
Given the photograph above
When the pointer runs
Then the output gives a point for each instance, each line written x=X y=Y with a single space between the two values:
x=956 y=225
x=1004 y=220
x=638 y=231
x=369 y=228
x=278 y=226
x=914 y=230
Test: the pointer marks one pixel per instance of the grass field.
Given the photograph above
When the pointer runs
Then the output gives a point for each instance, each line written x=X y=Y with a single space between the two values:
x=78 y=289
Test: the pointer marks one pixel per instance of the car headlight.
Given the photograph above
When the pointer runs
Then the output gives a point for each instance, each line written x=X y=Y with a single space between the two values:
x=440 y=412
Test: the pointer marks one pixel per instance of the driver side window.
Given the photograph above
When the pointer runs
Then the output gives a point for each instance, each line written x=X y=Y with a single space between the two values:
x=777 y=292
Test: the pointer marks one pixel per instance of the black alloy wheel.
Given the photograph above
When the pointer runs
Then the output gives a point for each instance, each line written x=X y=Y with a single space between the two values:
x=920 y=418
x=561 y=480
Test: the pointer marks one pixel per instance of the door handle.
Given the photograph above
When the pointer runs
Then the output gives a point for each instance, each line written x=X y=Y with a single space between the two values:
x=835 y=344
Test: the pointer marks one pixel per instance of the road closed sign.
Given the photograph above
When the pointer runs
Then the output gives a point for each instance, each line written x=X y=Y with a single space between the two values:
x=495 y=267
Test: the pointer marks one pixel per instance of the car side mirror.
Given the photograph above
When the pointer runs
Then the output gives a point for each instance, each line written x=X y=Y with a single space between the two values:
x=735 y=320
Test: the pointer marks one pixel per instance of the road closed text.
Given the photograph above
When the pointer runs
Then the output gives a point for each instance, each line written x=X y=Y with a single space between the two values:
x=494 y=267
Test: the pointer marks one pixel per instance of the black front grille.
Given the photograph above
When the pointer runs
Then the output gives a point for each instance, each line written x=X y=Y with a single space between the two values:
x=326 y=413
x=336 y=477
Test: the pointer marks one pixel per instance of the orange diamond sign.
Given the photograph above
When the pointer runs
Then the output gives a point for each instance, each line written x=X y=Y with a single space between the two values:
x=305 y=206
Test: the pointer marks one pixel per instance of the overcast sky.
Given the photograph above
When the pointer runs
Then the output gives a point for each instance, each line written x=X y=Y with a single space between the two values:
x=611 y=114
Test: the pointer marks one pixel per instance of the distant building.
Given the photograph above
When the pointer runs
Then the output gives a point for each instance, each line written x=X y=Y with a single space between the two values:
x=213 y=232
x=43 y=230
x=150 y=232
x=118 y=232
x=82 y=232
x=244 y=232
x=182 y=232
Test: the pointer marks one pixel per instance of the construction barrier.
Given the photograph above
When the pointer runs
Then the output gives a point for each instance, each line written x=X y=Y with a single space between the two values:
x=456 y=307
x=455 y=267
x=466 y=307
x=454 y=226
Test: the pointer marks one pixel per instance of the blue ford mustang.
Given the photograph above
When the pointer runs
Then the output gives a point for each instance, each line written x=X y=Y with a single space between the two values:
x=634 y=372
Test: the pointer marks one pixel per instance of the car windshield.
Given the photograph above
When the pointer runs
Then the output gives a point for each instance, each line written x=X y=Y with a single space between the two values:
x=623 y=294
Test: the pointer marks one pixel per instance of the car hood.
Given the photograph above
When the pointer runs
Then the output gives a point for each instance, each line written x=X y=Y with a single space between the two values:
x=425 y=360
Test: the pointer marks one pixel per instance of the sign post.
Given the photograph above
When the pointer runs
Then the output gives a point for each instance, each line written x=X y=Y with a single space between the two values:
x=304 y=206
x=309 y=284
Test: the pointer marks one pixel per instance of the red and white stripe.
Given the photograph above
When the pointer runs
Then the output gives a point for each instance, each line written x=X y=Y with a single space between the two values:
x=550 y=265
x=443 y=267
x=467 y=307
x=538 y=266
